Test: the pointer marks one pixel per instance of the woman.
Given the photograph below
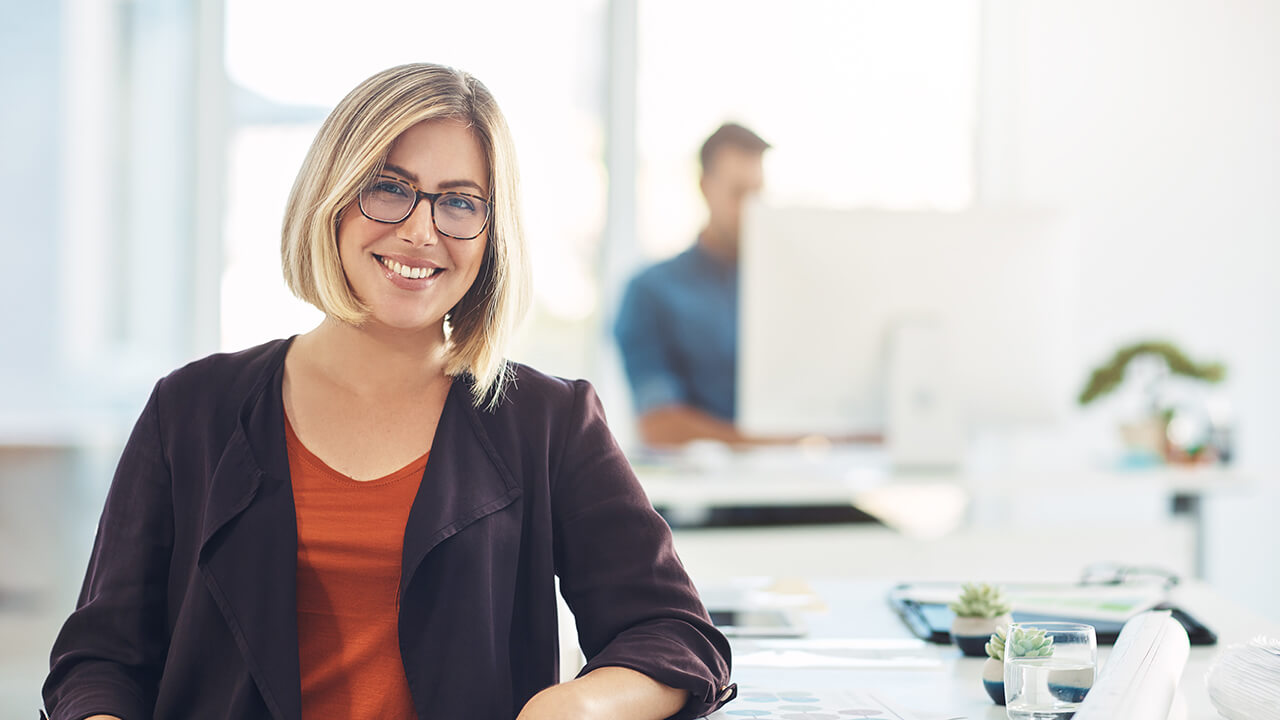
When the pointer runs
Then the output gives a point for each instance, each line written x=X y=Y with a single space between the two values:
x=366 y=520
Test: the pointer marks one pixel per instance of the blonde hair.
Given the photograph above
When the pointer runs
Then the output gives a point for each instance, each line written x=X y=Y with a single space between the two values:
x=349 y=151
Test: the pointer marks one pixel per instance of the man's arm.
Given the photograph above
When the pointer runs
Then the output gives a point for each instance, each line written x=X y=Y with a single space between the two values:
x=675 y=425
x=660 y=397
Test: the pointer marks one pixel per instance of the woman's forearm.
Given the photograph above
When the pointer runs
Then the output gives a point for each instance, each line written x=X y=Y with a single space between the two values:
x=608 y=692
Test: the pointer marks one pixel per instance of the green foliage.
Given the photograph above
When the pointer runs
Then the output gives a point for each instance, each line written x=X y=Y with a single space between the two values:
x=982 y=601
x=995 y=646
x=1028 y=643
x=1107 y=377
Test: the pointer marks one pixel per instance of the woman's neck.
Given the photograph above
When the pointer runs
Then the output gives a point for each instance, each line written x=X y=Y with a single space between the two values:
x=375 y=361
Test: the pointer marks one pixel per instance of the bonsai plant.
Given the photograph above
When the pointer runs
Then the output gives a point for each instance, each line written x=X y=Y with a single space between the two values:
x=1151 y=433
x=1108 y=376
x=979 y=610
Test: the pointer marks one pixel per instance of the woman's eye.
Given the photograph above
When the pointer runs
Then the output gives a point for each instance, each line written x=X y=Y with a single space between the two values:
x=390 y=188
x=458 y=202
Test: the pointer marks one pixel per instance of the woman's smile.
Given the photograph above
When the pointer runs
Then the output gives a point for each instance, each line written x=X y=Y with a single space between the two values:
x=409 y=273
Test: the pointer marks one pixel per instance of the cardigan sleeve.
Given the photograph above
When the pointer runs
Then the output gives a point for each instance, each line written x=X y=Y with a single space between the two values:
x=110 y=652
x=634 y=604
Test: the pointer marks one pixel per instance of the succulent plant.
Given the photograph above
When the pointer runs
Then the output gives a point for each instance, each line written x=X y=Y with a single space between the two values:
x=1028 y=643
x=984 y=601
x=995 y=646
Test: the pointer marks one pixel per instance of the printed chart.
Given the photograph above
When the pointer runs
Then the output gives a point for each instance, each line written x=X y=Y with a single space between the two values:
x=855 y=704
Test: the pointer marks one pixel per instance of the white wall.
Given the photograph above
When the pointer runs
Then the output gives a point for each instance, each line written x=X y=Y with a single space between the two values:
x=29 y=162
x=1157 y=122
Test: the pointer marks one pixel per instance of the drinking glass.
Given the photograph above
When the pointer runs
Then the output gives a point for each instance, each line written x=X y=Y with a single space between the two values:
x=1047 y=677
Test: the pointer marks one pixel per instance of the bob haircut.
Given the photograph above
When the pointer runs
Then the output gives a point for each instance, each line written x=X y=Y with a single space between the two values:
x=349 y=151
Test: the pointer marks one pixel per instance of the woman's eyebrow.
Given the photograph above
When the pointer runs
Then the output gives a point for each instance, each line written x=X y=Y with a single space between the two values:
x=451 y=184
x=445 y=185
x=401 y=172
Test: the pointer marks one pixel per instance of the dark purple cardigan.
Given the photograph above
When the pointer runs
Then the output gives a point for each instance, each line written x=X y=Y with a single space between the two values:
x=188 y=607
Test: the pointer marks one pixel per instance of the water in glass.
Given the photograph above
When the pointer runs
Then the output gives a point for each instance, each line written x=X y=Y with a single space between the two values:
x=1045 y=688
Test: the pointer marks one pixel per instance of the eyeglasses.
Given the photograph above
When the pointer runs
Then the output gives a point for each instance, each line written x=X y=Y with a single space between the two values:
x=1120 y=574
x=391 y=200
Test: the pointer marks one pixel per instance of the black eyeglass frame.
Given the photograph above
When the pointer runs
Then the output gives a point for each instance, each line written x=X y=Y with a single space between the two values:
x=431 y=197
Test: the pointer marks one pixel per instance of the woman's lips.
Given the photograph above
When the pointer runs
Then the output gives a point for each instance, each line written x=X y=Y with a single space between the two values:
x=408 y=275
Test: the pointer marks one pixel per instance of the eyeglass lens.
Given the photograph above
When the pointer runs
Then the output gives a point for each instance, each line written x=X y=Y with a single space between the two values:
x=456 y=214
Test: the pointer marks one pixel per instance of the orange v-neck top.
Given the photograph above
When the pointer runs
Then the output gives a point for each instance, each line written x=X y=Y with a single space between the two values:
x=350 y=540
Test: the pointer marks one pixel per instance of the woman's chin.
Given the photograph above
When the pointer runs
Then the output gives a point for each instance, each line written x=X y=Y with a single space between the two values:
x=405 y=322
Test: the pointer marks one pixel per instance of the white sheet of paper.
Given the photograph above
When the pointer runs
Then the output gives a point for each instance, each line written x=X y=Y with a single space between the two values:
x=864 y=653
x=1141 y=676
x=849 y=704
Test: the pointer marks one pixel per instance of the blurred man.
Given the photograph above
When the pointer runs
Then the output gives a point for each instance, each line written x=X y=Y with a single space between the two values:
x=678 y=331
x=678 y=323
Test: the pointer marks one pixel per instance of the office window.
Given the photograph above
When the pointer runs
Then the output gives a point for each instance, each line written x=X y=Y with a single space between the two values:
x=866 y=103
x=550 y=90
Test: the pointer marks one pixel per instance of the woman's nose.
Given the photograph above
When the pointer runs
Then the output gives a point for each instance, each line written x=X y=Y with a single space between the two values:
x=419 y=228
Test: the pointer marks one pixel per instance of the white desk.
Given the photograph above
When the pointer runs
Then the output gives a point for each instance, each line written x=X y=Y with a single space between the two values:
x=859 y=609
x=934 y=504
x=743 y=482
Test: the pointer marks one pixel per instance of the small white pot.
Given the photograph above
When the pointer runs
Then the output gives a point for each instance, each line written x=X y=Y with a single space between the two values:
x=993 y=680
x=971 y=634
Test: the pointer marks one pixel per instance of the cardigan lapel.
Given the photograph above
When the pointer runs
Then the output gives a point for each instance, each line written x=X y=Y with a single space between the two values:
x=249 y=550
x=465 y=480
x=248 y=555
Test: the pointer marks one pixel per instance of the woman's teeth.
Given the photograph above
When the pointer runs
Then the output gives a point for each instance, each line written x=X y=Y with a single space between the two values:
x=405 y=271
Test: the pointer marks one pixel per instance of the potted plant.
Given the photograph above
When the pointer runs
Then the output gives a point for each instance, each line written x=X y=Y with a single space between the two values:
x=979 y=610
x=1151 y=433
x=993 y=668
x=1030 y=643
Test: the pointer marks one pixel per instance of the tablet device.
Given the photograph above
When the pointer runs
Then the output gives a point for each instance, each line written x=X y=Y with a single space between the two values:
x=762 y=622
x=932 y=621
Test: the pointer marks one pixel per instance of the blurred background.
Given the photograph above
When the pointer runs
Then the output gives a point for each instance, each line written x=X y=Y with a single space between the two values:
x=147 y=148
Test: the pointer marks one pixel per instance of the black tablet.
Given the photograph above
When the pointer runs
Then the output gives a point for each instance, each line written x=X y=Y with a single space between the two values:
x=932 y=621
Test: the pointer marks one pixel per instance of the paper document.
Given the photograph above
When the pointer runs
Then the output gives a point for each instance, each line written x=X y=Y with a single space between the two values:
x=1141 y=676
x=1244 y=682
x=1116 y=603
x=889 y=653
x=855 y=704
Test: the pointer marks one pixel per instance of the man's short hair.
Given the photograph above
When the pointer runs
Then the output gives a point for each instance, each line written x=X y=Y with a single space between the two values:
x=731 y=135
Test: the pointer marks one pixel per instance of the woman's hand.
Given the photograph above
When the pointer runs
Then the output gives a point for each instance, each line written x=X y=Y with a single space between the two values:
x=611 y=693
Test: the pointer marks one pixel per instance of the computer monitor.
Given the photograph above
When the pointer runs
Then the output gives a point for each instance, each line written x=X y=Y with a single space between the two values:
x=842 y=309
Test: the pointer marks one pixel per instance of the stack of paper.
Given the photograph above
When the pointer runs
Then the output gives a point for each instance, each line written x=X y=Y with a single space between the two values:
x=1141 y=676
x=1116 y=603
x=1108 y=603
x=1244 y=682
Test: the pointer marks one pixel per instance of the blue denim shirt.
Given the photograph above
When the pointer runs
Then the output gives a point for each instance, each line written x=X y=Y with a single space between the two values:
x=677 y=329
